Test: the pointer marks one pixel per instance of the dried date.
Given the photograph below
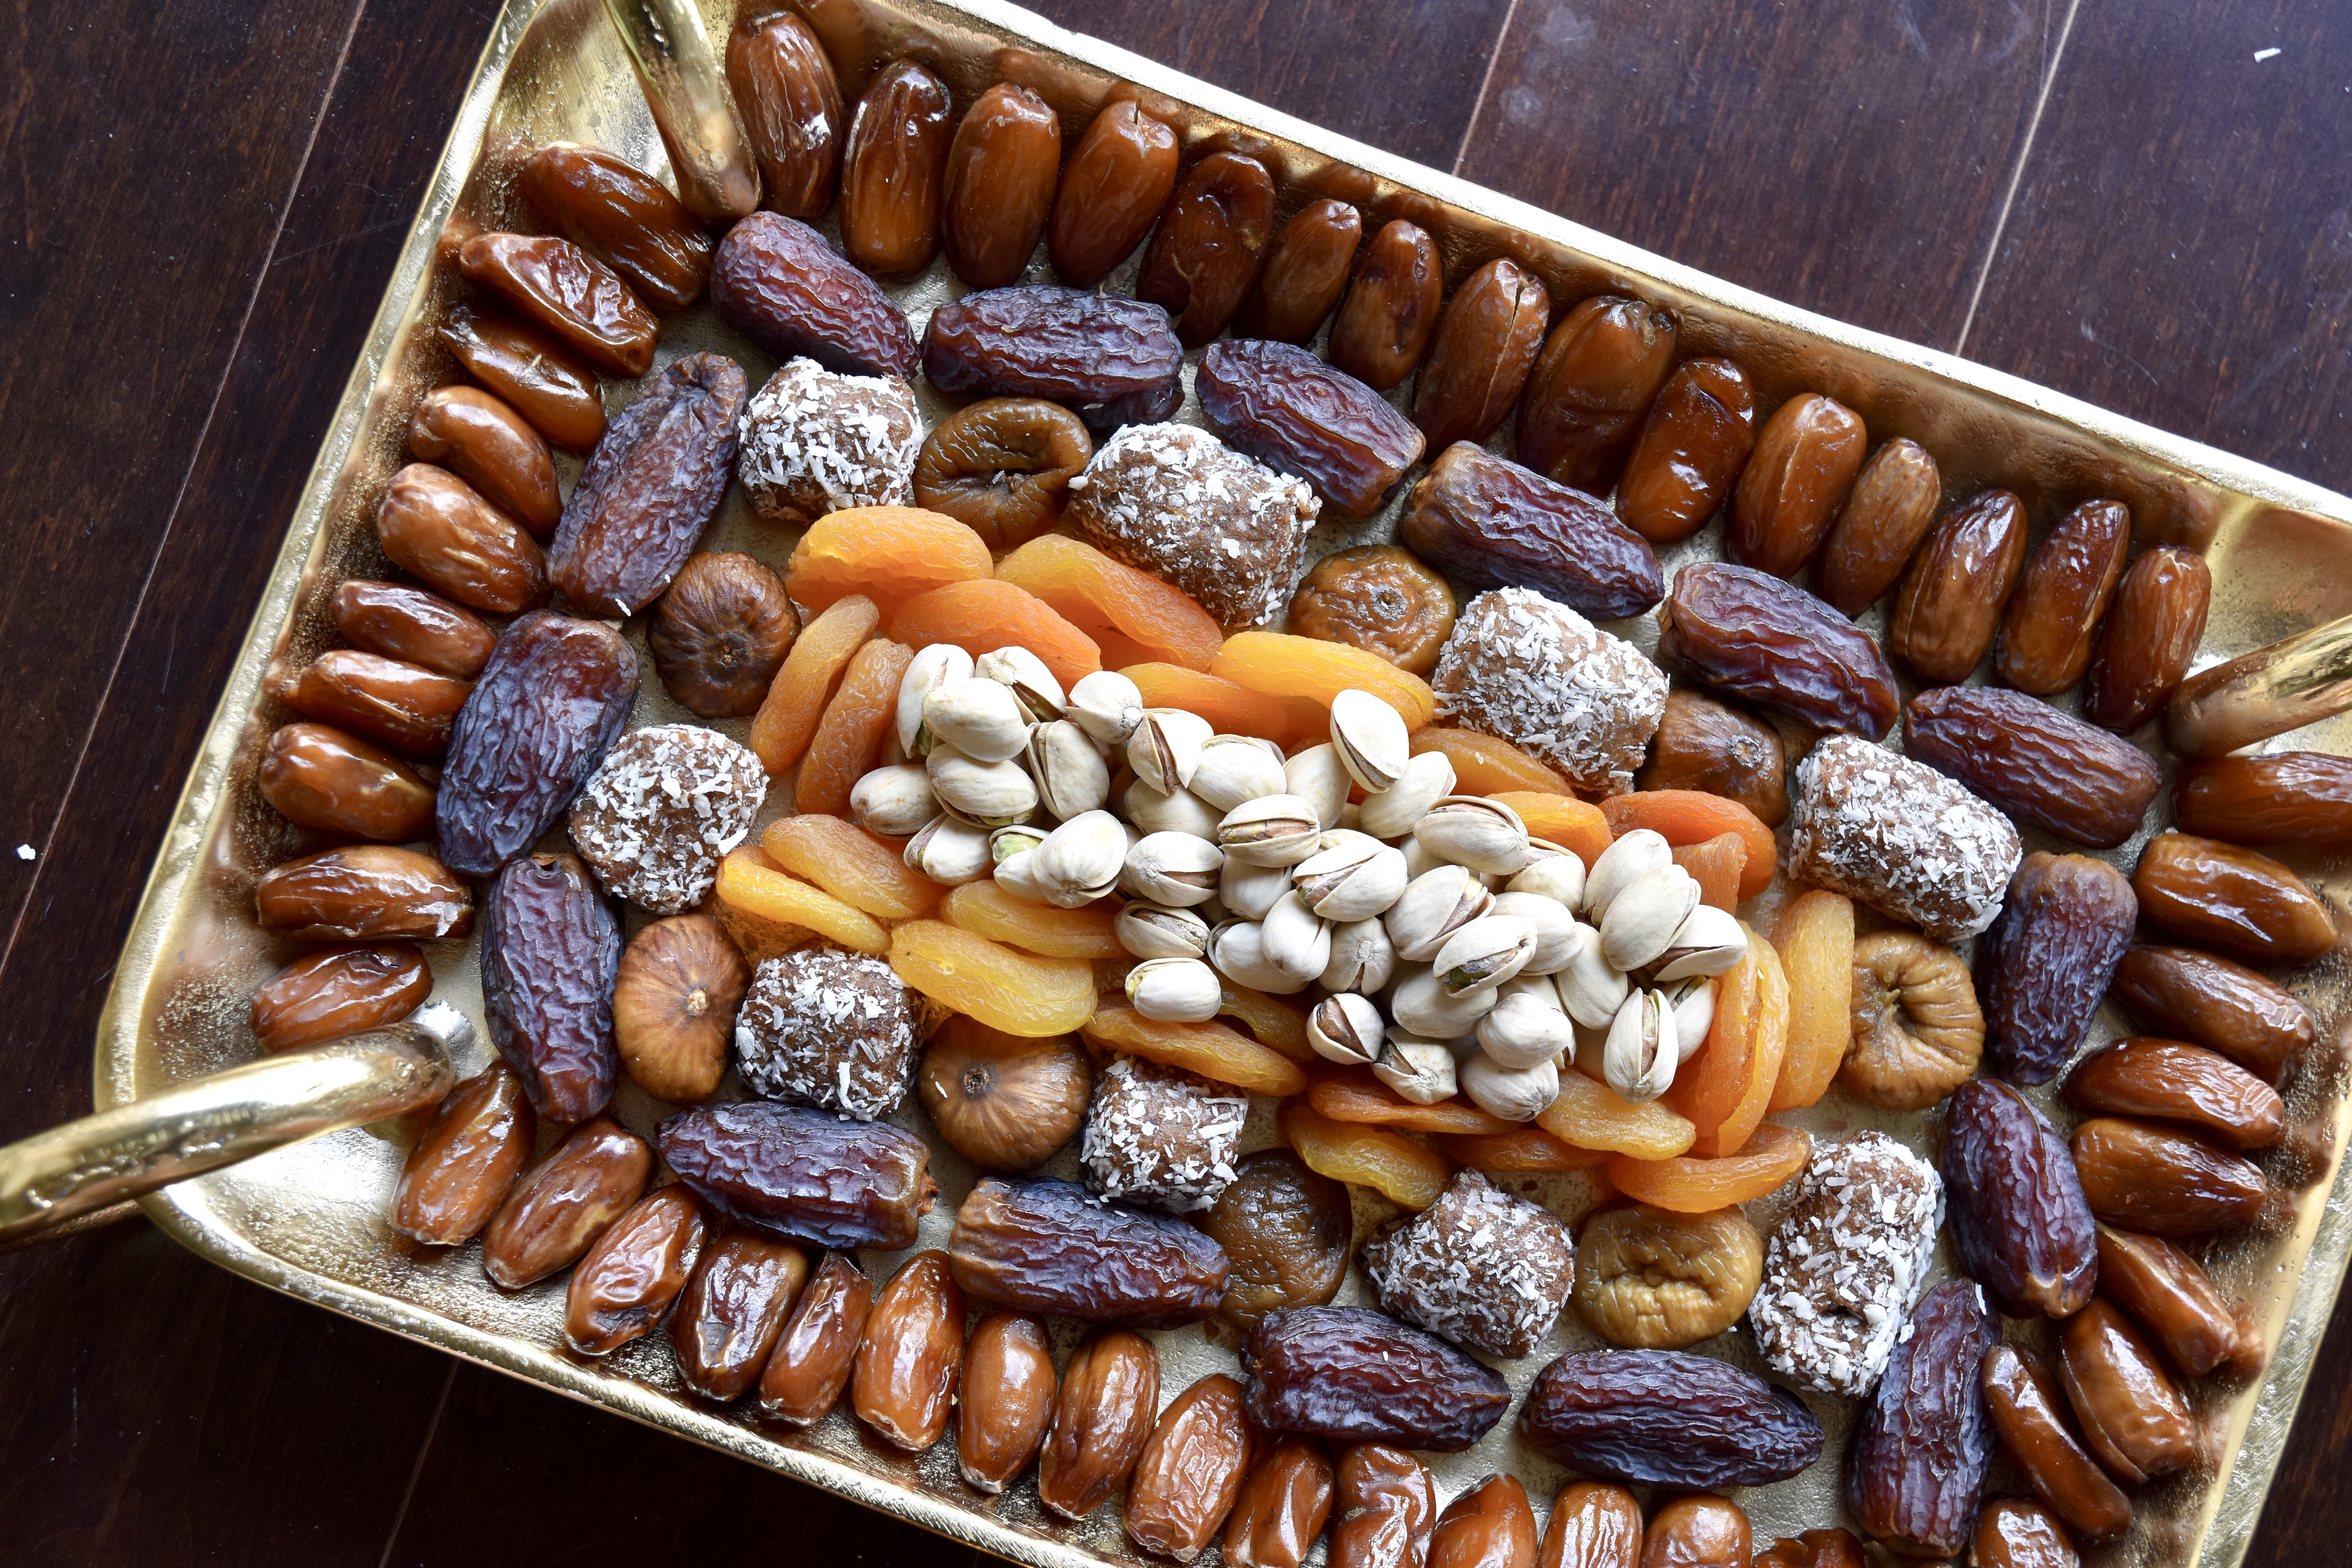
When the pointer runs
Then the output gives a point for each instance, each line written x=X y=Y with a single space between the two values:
x=2149 y=638
x=2241 y=904
x=2021 y=1223
x=1288 y=1233
x=1050 y=1246
x=1385 y=323
x=363 y=894
x=492 y=448
x=1951 y=599
x=1490 y=1525
x=778 y=282
x=558 y=1210
x=632 y=1272
x=316 y=777
x=1001 y=173
x=2162 y=1287
x=2185 y=994
x=2045 y=637
x=2174 y=1081
x=1357 y=1375
x=1386 y=1507
x=623 y=215
x=396 y=704
x=1710 y=746
x=1804 y=462
x=1115 y=362
x=2133 y=1417
x=1698 y=1532
x=1298 y=416
x=903 y=1382
x=2287 y=797
x=792 y=110
x=2044 y=963
x=468 y=1156
x=1886 y=513
x=1691 y=449
x=804 y=1174
x=1190 y=1471
x=2038 y=764
x=1595 y=379
x=649 y=489
x=733 y=1309
x=1596 y=1524
x=2024 y=1408
x=550 y=947
x=1667 y=1418
x=1205 y=252
x=432 y=526
x=340 y=991
x=1306 y=272
x=892 y=170
x=568 y=292
x=1478 y=363
x=1282 y=1507
x=1746 y=632
x=1102 y=1416
x=1915 y=1466
x=1005 y=1396
x=1118 y=177
x=539 y=376
x=1489 y=523
x=2148 y=1178
x=811 y=1363
x=404 y=623
x=2013 y=1534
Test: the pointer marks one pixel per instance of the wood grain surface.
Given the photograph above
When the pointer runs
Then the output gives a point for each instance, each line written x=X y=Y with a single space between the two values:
x=202 y=203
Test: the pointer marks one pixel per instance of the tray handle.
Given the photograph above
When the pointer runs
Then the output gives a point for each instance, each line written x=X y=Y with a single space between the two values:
x=691 y=106
x=54 y=1178
x=2284 y=686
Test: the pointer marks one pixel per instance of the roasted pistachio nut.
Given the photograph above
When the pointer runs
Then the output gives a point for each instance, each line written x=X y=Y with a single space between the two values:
x=1159 y=811
x=1551 y=873
x=1175 y=990
x=1515 y=1094
x=895 y=802
x=1177 y=870
x=1370 y=736
x=983 y=793
x=1523 y=1031
x=1293 y=940
x=1346 y=1028
x=1107 y=705
x=1632 y=857
x=1249 y=891
x=981 y=719
x=1483 y=834
x=1154 y=931
x=1432 y=906
x=1423 y=1006
x=1237 y=948
x=1165 y=748
x=1317 y=776
x=1694 y=1004
x=1591 y=988
x=1362 y=957
x=1079 y=861
x=1353 y=881
x=1396 y=810
x=1028 y=676
x=1234 y=769
x=1641 y=924
x=1710 y=942
x=1420 y=1070
x=1482 y=954
x=942 y=664
x=1272 y=830
x=949 y=852
x=1643 y=1047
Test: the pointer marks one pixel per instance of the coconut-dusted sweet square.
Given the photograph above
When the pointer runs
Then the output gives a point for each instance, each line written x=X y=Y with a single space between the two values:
x=665 y=804
x=815 y=442
x=1479 y=1266
x=1181 y=504
x=1160 y=1136
x=825 y=1027
x=1539 y=675
x=1900 y=836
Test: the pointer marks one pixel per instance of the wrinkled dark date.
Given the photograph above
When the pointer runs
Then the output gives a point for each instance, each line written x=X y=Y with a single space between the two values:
x=340 y=991
x=2286 y=797
x=2036 y=763
x=395 y=704
x=778 y=282
x=362 y=894
x=1386 y=1507
x=2185 y=994
x=400 y=622
x=1747 y=633
x=558 y=1210
x=1886 y=515
x=1390 y=310
x=649 y=489
x=1001 y=170
x=1118 y=179
x=568 y=292
x=1002 y=466
x=1491 y=1526
x=2021 y=1225
x=733 y=1310
x=802 y=1173
x=2174 y=1082
x=550 y=949
x=634 y=1271
x=2149 y=638
x=1710 y=746
x=720 y=633
x=1304 y=273
x=2243 y=904
x=1690 y=448
x=2045 y=637
x=623 y=215
x=1804 y=462
x=1951 y=600
x=1205 y=255
x=492 y=448
x=2133 y=1417
x=1049 y=1246
x=1489 y=523
x=316 y=776
x=1360 y=1376
x=2027 y=1413
x=433 y=525
x=1486 y=342
x=1667 y=1418
x=1298 y=416
x=892 y=170
x=1288 y=1233
x=1589 y=388
x=2043 y=965
x=811 y=1363
x=2148 y=1178
x=1116 y=362
x=551 y=702
x=2162 y=1287
x=454 y=1178
x=793 y=112
x=539 y=376
x=1915 y=1468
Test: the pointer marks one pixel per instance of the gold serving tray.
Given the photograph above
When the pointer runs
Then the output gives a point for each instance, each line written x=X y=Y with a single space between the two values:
x=311 y=1220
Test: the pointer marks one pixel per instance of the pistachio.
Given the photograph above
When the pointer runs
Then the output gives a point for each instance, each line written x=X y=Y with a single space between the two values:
x=1641 y=921
x=1539 y=986
x=1017 y=875
x=949 y=851
x=1157 y=810
x=1294 y=939
x=1420 y=1070
x=984 y=794
x=1362 y=957
x=1482 y=954
x=1238 y=949
x=1523 y=1031
x=1353 y=879
x=1370 y=736
x=1272 y=830
x=1708 y=942
x=1079 y=861
x=1422 y=1006
x=1236 y=768
x=1250 y=890
x=1551 y=872
x=1317 y=776
x=1346 y=1028
x=1108 y=706
x=1174 y=869
x=940 y=664
x=1623 y=863
x=1641 y=1054
x=1165 y=748
x=894 y=802
x=1004 y=843
x=1692 y=1001
x=1426 y=780
x=1515 y=1094
x=1469 y=830
x=1555 y=928
x=1031 y=682
x=980 y=719
x=1432 y=906
x=1420 y=862
x=1070 y=774
x=1175 y=990
x=1155 y=931
x=1591 y=988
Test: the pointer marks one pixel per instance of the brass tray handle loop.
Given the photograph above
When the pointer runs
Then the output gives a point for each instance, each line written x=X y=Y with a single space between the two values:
x=691 y=106
x=53 y=1177
x=2295 y=681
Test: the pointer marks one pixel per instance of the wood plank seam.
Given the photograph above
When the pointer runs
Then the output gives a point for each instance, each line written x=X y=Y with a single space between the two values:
x=1486 y=82
x=2016 y=176
x=417 y=1471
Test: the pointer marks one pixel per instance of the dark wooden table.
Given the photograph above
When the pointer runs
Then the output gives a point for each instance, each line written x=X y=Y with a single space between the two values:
x=2141 y=201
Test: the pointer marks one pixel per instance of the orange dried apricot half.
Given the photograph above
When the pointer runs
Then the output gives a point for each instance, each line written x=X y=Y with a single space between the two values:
x=1592 y=1115
x=1815 y=938
x=1359 y=1097
x=1230 y=710
x=1273 y=1021
x=1520 y=1149
x=1001 y=986
x=1397 y=1168
x=984 y=614
x=987 y=909
x=795 y=702
x=1693 y=816
x=1488 y=764
x=851 y=864
x=1574 y=825
x=1210 y=1050
x=1725 y=1088
x=846 y=737
x=889 y=554
x=1103 y=597
x=1694 y=1185
x=766 y=912
x=1715 y=866
x=1282 y=664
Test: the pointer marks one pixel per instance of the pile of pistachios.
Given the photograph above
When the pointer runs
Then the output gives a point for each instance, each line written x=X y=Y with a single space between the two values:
x=1235 y=859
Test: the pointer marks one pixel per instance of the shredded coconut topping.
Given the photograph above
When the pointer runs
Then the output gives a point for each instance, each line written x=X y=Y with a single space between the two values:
x=1479 y=1266
x=815 y=442
x=1900 y=836
x=828 y=1027
x=1162 y=1136
x=665 y=806
x=1543 y=677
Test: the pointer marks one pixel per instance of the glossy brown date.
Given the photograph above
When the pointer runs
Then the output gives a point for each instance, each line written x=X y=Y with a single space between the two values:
x=559 y=1209
x=403 y=622
x=733 y=1309
x=719 y=633
x=468 y=1156
x=1804 y=462
x=777 y=282
x=811 y=1363
x=1916 y=1466
x=1697 y=1531
x=1489 y=523
x=1049 y=1246
x=1306 y=272
x=1204 y=254
x=1489 y=1525
x=364 y=893
x=1951 y=599
x=2133 y=1417
x=1385 y=1507
x=2013 y=1534
x=1113 y=361
x=1690 y=451
x=632 y=1272
x=1282 y=1507
x=1813 y=1549
x=2045 y=965
x=570 y=293
x=1593 y=1524
x=2047 y=632
x=1004 y=1401
x=339 y=991
x=2234 y=900
x=892 y=170
x=1746 y=632
x=903 y=1382
x=2020 y=1222
x=804 y=1174
x=1190 y=1470
x=2143 y=1177
x=1102 y=1416
x=2036 y=763
x=2171 y=1296
x=2286 y=797
x=2023 y=1405
x=2185 y=994
x=1886 y=513
x=1298 y=416
x=1595 y=379
x=1706 y=746
x=1479 y=360
x=1118 y=177
x=1003 y=467
x=1001 y=173
x=316 y=776
x=492 y=448
x=625 y=217
x=434 y=526
x=550 y=946
x=538 y=376
x=1384 y=324
x=2174 y=1081
x=1667 y=1418
x=2149 y=638
x=401 y=705
x=793 y=114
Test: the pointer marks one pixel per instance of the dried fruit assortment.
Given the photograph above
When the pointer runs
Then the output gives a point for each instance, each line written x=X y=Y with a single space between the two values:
x=1084 y=845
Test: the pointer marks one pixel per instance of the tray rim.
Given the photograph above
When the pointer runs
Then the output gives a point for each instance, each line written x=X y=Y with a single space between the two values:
x=2232 y=1507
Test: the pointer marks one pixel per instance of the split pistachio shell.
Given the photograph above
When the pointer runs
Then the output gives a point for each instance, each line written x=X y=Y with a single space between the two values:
x=1346 y=1028
x=1174 y=869
x=1471 y=830
x=1432 y=906
x=940 y=664
x=1237 y=948
x=895 y=802
x=985 y=793
x=1421 y=1004
x=1156 y=930
x=1294 y=939
x=980 y=719
x=1165 y=748
x=1017 y=875
x=1039 y=692
x=1272 y=830
x=1515 y=1094
x=1236 y=768
x=1371 y=738
x=1555 y=928
x=1639 y=854
x=1590 y=987
x=1069 y=773
x=1419 y=1070
x=1079 y=861
x=1484 y=954
x=1641 y=1052
x=1426 y=780
x=1155 y=811
x=949 y=851
x=1175 y=990
x=1317 y=776
x=1694 y=1003
x=1550 y=872
x=1708 y=942
x=1250 y=890
x=1107 y=705
x=1352 y=880
x=1640 y=921
x=1522 y=1031
x=1004 y=843
x=1362 y=957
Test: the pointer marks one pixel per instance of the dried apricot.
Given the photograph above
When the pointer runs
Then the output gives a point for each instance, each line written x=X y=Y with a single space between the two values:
x=1100 y=596
x=1574 y=825
x=766 y=912
x=795 y=702
x=1694 y=1185
x=1488 y=764
x=1273 y=1021
x=1285 y=666
x=984 y=614
x=1359 y=1097
x=1520 y=1149
x=1725 y=1088
x=1592 y=1115
x=1210 y=1050
x=1815 y=937
x=861 y=711
x=1004 y=988
x=1397 y=1168
x=889 y=554
x=986 y=910
x=1230 y=710
x=1692 y=816
x=852 y=865
x=1715 y=866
